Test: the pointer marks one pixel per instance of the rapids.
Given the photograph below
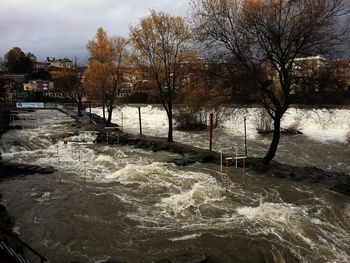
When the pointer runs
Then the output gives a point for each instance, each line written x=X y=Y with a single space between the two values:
x=130 y=204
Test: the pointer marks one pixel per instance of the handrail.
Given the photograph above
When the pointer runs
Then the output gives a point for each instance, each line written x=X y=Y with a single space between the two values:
x=42 y=258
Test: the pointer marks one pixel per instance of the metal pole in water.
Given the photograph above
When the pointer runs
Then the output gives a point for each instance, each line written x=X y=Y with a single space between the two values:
x=236 y=156
x=90 y=111
x=243 y=183
x=139 y=109
x=220 y=160
x=227 y=176
x=122 y=123
x=58 y=156
x=227 y=167
x=58 y=164
x=245 y=137
x=217 y=134
x=211 y=132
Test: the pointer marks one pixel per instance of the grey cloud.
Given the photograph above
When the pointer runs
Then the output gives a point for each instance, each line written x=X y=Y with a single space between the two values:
x=61 y=28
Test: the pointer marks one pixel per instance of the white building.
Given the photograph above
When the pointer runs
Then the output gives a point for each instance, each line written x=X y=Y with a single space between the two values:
x=38 y=86
x=60 y=63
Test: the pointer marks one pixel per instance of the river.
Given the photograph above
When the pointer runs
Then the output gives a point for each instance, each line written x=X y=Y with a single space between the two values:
x=131 y=204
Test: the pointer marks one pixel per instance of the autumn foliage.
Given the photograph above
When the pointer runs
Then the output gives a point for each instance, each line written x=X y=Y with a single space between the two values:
x=105 y=69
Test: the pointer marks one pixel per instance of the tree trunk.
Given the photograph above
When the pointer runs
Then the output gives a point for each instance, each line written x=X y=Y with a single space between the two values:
x=80 y=107
x=103 y=112
x=275 y=140
x=110 y=112
x=170 y=120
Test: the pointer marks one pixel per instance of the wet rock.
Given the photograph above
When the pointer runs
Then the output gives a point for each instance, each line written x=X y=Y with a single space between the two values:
x=182 y=161
x=285 y=131
x=336 y=181
x=46 y=170
x=290 y=131
x=8 y=169
x=342 y=189
x=190 y=154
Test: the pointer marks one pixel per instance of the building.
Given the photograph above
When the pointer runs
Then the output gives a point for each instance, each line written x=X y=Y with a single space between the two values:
x=60 y=63
x=41 y=65
x=341 y=71
x=38 y=86
x=58 y=72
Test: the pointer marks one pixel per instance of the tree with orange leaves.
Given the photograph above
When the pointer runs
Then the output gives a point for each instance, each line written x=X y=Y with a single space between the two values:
x=105 y=69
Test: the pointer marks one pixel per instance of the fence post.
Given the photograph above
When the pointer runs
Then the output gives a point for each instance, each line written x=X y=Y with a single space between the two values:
x=90 y=111
x=139 y=109
x=220 y=160
x=245 y=137
x=211 y=132
x=122 y=122
x=244 y=174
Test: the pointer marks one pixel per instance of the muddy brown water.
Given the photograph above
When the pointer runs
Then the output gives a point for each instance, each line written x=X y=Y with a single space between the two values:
x=130 y=204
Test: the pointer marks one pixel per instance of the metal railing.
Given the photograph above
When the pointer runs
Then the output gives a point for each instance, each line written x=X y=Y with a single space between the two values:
x=12 y=253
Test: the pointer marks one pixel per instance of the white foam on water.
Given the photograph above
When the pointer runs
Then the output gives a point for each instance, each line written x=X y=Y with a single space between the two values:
x=46 y=196
x=268 y=211
x=104 y=161
x=190 y=201
x=139 y=173
x=318 y=124
x=283 y=220
x=185 y=237
x=84 y=137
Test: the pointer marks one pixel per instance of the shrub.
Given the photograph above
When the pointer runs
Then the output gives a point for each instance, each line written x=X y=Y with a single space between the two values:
x=263 y=121
x=190 y=121
x=294 y=128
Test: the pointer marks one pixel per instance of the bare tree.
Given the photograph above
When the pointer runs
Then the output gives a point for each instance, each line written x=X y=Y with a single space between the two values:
x=264 y=37
x=160 y=43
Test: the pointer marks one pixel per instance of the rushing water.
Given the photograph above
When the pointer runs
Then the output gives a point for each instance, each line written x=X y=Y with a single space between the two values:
x=118 y=201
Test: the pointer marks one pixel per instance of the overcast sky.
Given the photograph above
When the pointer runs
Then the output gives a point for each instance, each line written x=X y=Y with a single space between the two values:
x=61 y=28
